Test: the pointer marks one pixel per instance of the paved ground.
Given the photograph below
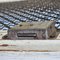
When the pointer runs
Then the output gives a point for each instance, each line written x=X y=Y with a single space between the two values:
x=30 y=56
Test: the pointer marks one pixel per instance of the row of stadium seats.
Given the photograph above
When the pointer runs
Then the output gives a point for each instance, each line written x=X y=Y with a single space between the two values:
x=10 y=18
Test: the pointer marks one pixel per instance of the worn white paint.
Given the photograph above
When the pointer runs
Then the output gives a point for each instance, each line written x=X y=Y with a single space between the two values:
x=27 y=45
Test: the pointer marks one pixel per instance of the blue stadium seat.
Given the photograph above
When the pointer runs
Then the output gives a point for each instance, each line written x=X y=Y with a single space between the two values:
x=10 y=17
x=58 y=27
x=4 y=28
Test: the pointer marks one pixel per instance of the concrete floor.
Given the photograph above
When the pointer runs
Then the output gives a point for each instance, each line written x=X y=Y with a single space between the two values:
x=29 y=55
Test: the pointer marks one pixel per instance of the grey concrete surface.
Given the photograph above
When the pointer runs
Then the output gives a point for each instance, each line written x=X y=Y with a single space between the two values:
x=29 y=56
